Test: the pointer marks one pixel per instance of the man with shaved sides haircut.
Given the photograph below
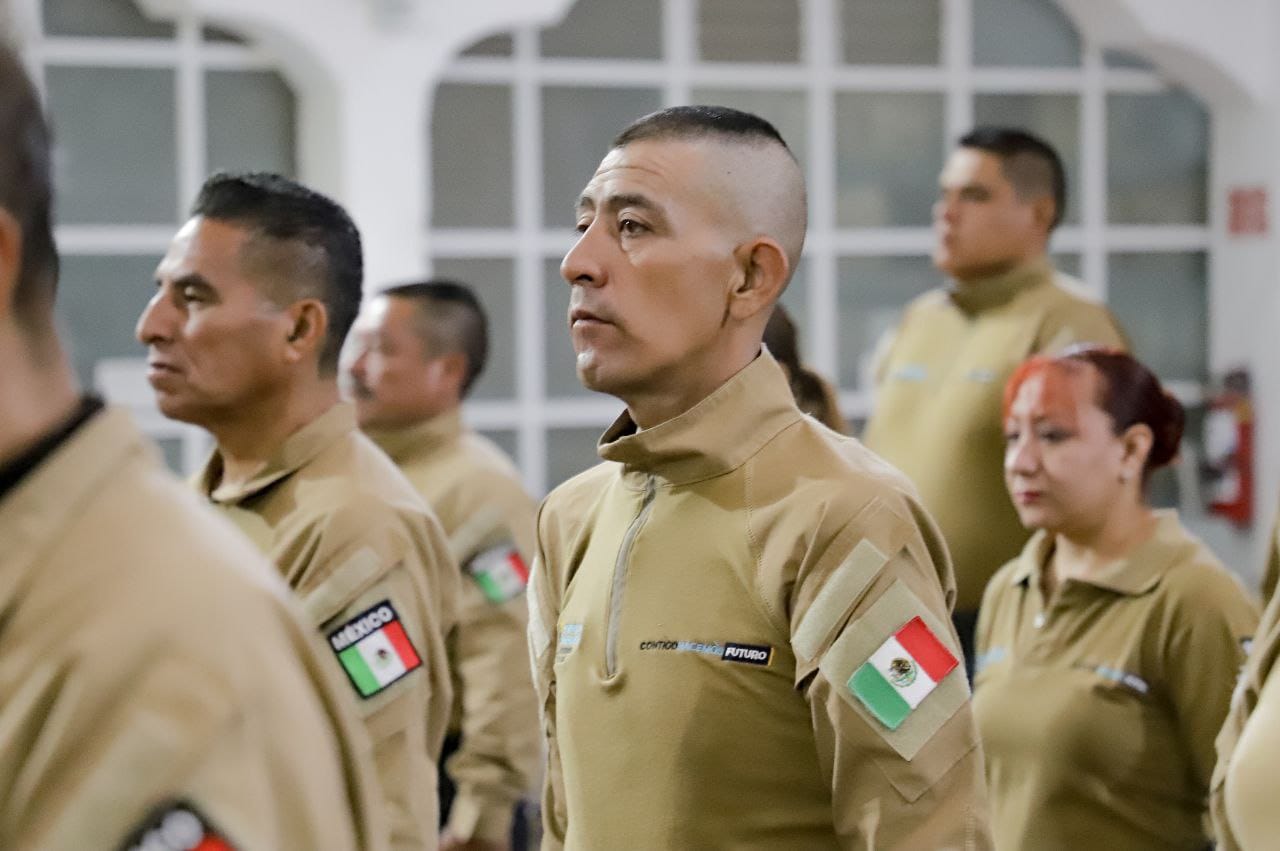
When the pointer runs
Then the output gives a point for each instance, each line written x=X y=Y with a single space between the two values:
x=419 y=349
x=253 y=300
x=157 y=687
x=940 y=373
x=739 y=621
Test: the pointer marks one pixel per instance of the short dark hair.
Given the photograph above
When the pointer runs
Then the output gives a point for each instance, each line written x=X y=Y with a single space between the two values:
x=457 y=321
x=1029 y=162
x=700 y=122
x=279 y=211
x=26 y=192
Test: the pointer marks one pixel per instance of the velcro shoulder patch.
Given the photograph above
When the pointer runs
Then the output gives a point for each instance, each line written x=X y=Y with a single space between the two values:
x=176 y=826
x=374 y=649
x=896 y=666
x=840 y=591
x=500 y=572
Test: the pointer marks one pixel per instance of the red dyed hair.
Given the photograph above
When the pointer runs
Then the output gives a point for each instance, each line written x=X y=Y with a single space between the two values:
x=1128 y=393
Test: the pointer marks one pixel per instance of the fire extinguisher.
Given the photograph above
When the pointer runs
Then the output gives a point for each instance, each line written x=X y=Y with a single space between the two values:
x=1228 y=450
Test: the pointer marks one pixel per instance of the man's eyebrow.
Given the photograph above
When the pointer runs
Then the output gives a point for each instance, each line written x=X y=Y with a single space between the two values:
x=191 y=279
x=587 y=204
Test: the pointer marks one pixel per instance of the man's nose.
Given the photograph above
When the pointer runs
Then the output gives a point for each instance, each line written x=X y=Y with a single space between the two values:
x=157 y=320
x=582 y=264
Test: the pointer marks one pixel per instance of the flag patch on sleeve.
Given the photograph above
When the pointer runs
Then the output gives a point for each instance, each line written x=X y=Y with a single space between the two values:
x=500 y=572
x=374 y=649
x=176 y=826
x=905 y=669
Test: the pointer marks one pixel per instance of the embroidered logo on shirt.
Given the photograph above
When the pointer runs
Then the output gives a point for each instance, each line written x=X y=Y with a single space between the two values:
x=901 y=673
x=988 y=658
x=729 y=651
x=374 y=649
x=570 y=638
x=752 y=654
x=1133 y=682
x=913 y=372
x=981 y=376
x=500 y=573
x=176 y=826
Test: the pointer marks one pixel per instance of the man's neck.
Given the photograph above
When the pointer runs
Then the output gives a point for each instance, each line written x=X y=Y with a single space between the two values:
x=978 y=276
x=248 y=442
x=656 y=406
x=34 y=398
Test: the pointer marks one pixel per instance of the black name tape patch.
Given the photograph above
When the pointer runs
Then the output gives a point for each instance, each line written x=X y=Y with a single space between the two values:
x=751 y=654
x=176 y=826
x=730 y=651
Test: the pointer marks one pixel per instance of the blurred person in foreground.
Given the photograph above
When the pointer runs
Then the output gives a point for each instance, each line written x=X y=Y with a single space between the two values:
x=739 y=620
x=157 y=689
x=252 y=302
x=936 y=408
x=419 y=349
x=814 y=394
x=1107 y=651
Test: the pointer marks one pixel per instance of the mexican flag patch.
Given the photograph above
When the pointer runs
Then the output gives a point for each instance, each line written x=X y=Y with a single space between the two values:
x=176 y=826
x=373 y=649
x=500 y=573
x=902 y=673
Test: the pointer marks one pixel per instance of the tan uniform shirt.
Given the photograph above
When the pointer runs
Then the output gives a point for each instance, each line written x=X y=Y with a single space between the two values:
x=1245 y=747
x=1271 y=571
x=371 y=565
x=703 y=608
x=1098 y=710
x=476 y=492
x=152 y=669
x=939 y=386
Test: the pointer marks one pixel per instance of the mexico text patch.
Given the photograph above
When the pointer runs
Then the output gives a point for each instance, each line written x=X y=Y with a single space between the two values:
x=374 y=649
x=500 y=573
x=176 y=826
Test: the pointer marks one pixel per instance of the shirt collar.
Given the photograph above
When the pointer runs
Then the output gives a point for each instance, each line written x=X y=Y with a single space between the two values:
x=297 y=450
x=1135 y=574
x=987 y=293
x=423 y=436
x=713 y=437
x=16 y=469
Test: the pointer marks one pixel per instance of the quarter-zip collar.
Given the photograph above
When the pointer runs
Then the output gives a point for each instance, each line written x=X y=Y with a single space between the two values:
x=713 y=437
x=979 y=296
x=419 y=438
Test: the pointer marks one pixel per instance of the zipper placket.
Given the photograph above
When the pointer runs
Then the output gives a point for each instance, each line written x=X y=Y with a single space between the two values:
x=620 y=578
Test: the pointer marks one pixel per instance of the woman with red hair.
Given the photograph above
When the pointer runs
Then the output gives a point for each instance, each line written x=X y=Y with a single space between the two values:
x=1108 y=649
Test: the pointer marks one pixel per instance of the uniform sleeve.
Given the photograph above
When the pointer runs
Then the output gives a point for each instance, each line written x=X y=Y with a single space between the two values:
x=1203 y=657
x=497 y=759
x=1271 y=570
x=880 y=665
x=544 y=614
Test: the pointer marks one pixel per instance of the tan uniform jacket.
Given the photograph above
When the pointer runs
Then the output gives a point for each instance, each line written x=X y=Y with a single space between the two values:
x=1244 y=747
x=939 y=386
x=1271 y=571
x=1098 y=711
x=701 y=609
x=371 y=565
x=148 y=657
x=477 y=494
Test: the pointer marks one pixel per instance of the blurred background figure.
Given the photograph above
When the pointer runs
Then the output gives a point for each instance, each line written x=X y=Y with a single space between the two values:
x=1107 y=651
x=936 y=409
x=154 y=681
x=419 y=349
x=814 y=394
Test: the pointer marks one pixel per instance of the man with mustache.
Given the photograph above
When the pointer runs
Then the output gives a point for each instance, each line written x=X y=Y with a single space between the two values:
x=253 y=300
x=157 y=688
x=739 y=621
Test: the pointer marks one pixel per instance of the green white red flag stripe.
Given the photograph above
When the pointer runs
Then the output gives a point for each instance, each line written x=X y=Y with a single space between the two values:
x=901 y=673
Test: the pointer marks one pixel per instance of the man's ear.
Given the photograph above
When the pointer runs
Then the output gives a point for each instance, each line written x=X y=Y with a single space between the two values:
x=10 y=260
x=452 y=368
x=1043 y=209
x=764 y=272
x=307 y=329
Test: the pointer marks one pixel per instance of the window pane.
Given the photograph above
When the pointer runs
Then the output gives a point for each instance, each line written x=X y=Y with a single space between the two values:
x=1068 y=264
x=889 y=153
x=577 y=127
x=873 y=291
x=1162 y=303
x=1055 y=118
x=1157 y=148
x=562 y=372
x=786 y=111
x=117 y=161
x=493 y=280
x=218 y=35
x=102 y=18
x=99 y=302
x=1121 y=59
x=608 y=29
x=891 y=32
x=795 y=298
x=507 y=440
x=570 y=451
x=471 y=163
x=1023 y=32
x=494 y=45
x=250 y=122
x=749 y=30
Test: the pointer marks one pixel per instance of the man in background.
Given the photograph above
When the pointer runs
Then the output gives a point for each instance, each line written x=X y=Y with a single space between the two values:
x=419 y=349
x=941 y=373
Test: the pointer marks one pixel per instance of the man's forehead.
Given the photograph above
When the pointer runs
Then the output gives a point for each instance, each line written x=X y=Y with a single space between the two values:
x=648 y=163
x=972 y=166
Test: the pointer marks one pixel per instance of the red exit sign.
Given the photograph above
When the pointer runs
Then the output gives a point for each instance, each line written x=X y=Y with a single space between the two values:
x=1247 y=211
